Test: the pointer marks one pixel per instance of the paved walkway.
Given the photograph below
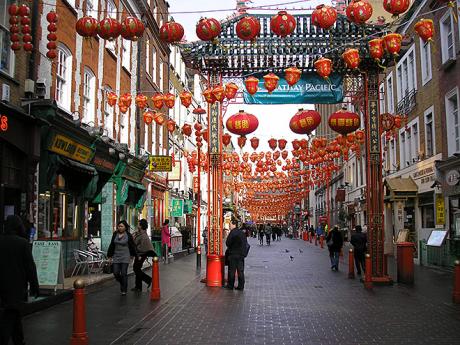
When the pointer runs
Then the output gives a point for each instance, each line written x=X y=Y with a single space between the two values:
x=298 y=301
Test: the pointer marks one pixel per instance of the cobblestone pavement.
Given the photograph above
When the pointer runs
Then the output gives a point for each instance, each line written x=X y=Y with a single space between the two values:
x=298 y=301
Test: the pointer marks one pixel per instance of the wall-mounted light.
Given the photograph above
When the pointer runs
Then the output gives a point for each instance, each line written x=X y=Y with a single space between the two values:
x=112 y=151
x=130 y=160
x=121 y=156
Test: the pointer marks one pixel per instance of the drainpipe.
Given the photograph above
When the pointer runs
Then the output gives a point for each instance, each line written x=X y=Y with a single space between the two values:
x=138 y=87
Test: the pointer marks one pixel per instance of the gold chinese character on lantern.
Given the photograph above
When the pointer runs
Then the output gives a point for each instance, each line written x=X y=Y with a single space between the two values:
x=238 y=124
x=303 y=123
x=356 y=122
x=348 y=122
x=310 y=120
x=230 y=124
x=341 y=122
x=245 y=124
x=333 y=122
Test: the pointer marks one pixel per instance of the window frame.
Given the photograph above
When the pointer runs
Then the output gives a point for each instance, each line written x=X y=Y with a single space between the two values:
x=65 y=100
x=111 y=44
x=447 y=17
x=425 y=61
x=92 y=8
x=406 y=74
x=5 y=40
x=390 y=93
x=451 y=136
x=430 y=112
x=90 y=98
x=147 y=57
x=126 y=54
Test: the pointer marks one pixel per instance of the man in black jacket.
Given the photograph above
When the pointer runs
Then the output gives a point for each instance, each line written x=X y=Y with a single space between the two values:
x=17 y=270
x=236 y=246
x=359 y=241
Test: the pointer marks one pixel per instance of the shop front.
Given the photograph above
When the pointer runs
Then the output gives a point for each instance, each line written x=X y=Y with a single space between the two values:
x=158 y=188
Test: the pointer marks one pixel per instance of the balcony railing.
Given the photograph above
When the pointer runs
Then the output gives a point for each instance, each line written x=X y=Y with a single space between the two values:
x=407 y=103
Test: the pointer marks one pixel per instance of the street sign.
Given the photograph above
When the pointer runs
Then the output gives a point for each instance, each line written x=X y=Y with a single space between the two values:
x=188 y=206
x=177 y=207
x=160 y=163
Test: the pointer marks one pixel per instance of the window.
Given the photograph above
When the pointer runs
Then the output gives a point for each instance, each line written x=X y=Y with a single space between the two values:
x=126 y=54
x=406 y=80
x=392 y=154
x=453 y=122
x=112 y=13
x=425 y=55
x=160 y=139
x=402 y=149
x=108 y=113
x=63 y=77
x=92 y=7
x=447 y=37
x=409 y=144
x=426 y=204
x=6 y=54
x=154 y=64
x=382 y=98
x=429 y=133
x=155 y=11
x=147 y=57
x=89 y=95
x=160 y=84
x=390 y=95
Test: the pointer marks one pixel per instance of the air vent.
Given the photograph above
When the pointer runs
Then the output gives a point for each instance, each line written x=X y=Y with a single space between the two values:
x=5 y=93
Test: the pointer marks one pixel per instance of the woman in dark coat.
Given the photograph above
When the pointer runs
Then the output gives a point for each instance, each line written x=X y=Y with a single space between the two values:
x=17 y=271
x=334 y=242
x=121 y=251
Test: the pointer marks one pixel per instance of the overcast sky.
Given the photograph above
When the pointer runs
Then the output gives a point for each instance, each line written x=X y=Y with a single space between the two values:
x=273 y=119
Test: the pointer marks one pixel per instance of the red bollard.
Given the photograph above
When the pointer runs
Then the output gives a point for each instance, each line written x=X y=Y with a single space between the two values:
x=321 y=241
x=456 y=292
x=155 y=292
x=351 y=267
x=368 y=273
x=79 y=335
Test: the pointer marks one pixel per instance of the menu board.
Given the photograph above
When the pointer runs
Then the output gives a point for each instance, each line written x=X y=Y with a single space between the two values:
x=436 y=238
x=48 y=259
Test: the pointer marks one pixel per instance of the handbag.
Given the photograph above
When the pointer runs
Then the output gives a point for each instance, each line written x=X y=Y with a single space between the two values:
x=330 y=242
x=107 y=268
x=246 y=251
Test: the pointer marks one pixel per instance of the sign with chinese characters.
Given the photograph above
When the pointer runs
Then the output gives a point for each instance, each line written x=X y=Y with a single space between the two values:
x=440 y=210
x=374 y=136
x=160 y=163
x=188 y=206
x=3 y=123
x=177 y=207
x=214 y=129
x=176 y=172
x=311 y=88
x=452 y=177
x=71 y=149
x=195 y=184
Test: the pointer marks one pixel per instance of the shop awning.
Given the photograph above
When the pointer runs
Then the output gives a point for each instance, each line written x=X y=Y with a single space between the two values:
x=80 y=167
x=400 y=188
x=129 y=192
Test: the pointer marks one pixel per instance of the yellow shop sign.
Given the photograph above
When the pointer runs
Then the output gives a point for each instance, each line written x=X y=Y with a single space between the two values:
x=71 y=149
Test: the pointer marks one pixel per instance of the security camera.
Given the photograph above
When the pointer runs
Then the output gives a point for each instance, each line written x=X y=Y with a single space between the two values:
x=40 y=88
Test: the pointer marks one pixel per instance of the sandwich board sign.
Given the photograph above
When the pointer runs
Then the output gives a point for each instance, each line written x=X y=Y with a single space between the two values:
x=48 y=259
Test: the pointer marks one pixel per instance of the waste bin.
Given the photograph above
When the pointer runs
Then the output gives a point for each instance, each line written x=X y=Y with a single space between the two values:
x=405 y=262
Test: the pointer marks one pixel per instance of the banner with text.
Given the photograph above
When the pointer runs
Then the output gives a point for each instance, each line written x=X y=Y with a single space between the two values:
x=310 y=89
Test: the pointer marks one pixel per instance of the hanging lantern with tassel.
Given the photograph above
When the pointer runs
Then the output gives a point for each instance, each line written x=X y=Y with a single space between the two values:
x=351 y=58
x=252 y=85
x=324 y=16
x=323 y=67
x=185 y=98
x=141 y=101
x=393 y=43
x=158 y=100
x=271 y=82
x=425 y=29
x=292 y=75
x=230 y=90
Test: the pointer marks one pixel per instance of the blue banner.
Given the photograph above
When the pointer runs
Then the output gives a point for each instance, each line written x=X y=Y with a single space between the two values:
x=310 y=89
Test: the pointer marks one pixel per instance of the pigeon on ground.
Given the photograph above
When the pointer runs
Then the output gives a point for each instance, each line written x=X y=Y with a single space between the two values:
x=287 y=251
x=300 y=250
x=292 y=258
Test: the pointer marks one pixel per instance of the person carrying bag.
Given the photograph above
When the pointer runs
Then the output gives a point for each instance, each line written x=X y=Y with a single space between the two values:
x=144 y=249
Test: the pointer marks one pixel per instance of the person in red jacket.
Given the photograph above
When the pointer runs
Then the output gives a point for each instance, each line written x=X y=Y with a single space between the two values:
x=165 y=238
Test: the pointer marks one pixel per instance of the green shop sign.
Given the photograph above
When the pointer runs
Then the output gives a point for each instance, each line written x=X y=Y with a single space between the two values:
x=177 y=207
x=188 y=206
x=310 y=89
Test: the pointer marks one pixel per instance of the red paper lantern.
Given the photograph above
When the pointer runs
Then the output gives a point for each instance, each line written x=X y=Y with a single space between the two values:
x=187 y=129
x=226 y=139
x=254 y=143
x=13 y=10
x=292 y=75
x=242 y=123
x=25 y=21
x=282 y=143
x=14 y=20
x=241 y=141
x=208 y=29
x=86 y=26
x=425 y=29
x=23 y=10
x=15 y=46
x=230 y=90
x=112 y=98
x=15 y=38
x=52 y=27
x=387 y=121
x=171 y=125
x=51 y=53
x=272 y=143
x=27 y=38
x=305 y=121
x=252 y=85
x=396 y=7
x=344 y=122
x=209 y=96
x=205 y=134
x=351 y=58
x=323 y=67
x=359 y=11
x=248 y=28
x=52 y=17
x=271 y=82
x=185 y=98
x=132 y=28
x=219 y=93
x=148 y=117
x=159 y=119
x=51 y=36
x=108 y=29
x=282 y=24
x=123 y=109
x=376 y=50
x=158 y=100
x=27 y=46
x=360 y=136
x=169 y=100
x=141 y=101
x=125 y=100
x=14 y=29
x=393 y=43
x=324 y=16
x=171 y=32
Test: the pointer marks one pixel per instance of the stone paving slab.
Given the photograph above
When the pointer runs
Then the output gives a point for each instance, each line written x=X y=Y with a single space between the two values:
x=299 y=301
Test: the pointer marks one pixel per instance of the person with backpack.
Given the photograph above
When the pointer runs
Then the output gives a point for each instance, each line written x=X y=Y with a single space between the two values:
x=144 y=249
x=237 y=250
x=334 y=243
x=359 y=243
x=268 y=233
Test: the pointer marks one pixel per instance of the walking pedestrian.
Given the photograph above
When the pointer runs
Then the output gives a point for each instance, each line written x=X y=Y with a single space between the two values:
x=121 y=251
x=261 y=234
x=274 y=230
x=205 y=239
x=144 y=249
x=17 y=271
x=334 y=243
x=237 y=245
x=312 y=231
x=268 y=233
x=165 y=239
x=359 y=243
